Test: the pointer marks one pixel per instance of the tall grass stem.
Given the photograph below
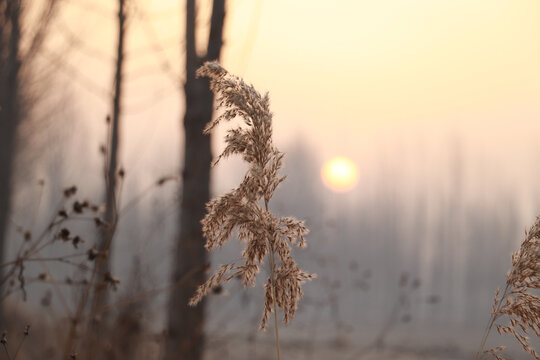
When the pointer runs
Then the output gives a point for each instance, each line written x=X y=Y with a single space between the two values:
x=273 y=275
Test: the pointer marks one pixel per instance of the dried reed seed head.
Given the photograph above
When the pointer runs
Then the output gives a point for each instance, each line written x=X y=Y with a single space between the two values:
x=525 y=272
x=518 y=302
x=240 y=210
x=217 y=279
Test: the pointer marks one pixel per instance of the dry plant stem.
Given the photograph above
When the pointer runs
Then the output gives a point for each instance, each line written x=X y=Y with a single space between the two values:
x=34 y=248
x=491 y=322
x=19 y=347
x=144 y=295
x=44 y=259
x=57 y=291
x=7 y=352
x=273 y=276
x=68 y=348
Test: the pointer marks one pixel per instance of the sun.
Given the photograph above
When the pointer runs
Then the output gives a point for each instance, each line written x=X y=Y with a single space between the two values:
x=339 y=174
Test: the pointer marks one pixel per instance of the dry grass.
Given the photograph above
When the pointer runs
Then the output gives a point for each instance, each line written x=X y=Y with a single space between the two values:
x=73 y=248
x=518 y=302
x=56 y=233
x=245 y=208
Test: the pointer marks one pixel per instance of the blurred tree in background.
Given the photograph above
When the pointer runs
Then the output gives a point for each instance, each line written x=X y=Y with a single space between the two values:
x=19 y=42
x=186 y=325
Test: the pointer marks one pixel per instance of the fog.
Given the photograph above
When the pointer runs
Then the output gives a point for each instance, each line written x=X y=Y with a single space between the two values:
x=410 y=257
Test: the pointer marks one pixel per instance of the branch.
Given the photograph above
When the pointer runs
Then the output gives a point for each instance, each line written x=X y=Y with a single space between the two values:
x=43 y=24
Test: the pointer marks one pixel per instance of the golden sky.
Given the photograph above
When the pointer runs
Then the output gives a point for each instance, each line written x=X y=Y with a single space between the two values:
x=363 y=77
x=367 y=64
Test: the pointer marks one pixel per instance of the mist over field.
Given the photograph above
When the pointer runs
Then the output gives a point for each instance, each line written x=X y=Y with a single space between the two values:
x=442 y=249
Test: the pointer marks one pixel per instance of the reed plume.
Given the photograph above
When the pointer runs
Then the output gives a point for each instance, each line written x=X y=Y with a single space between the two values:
x=518 y=301
x=244 y=210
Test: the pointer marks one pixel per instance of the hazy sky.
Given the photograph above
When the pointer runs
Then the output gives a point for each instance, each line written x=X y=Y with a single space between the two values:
x=400 y=80
x=346 y=71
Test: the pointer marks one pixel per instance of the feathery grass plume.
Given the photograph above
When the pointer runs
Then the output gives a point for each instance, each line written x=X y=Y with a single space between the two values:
x=242 y=210
x=519 y=301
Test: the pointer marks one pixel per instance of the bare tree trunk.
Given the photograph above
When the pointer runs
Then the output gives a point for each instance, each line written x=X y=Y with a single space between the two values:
x=10 y=64
x=111 y=166
x=103 y=264
x=186 y=324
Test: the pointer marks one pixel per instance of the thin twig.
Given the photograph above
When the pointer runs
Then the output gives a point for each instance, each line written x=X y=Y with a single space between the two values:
x=22 y=341
x=7 y=352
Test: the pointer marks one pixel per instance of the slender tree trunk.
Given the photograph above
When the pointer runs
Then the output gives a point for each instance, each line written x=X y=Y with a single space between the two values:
x=186 y=324
x=103 y=264
x=12 y=101
x=111 y=166
x=10 y=64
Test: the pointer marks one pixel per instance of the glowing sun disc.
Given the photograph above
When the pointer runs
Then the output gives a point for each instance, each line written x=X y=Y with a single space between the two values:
x=339 y=174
